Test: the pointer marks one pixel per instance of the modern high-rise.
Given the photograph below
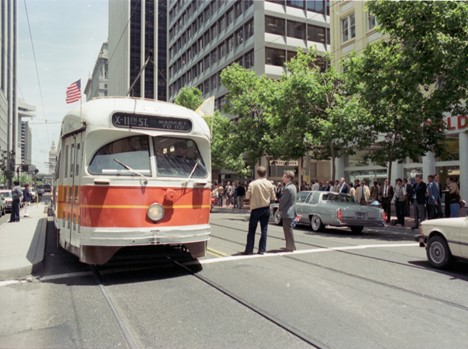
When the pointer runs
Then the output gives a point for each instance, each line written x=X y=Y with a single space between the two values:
x=8 y=118
x=97 y=85
x=206 y=36
x=138 y=48
x=25 y=112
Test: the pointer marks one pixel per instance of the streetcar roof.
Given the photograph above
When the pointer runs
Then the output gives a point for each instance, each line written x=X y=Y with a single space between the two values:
x=97 y=114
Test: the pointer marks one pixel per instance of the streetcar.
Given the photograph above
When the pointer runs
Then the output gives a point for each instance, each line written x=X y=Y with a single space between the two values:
x=132 y=172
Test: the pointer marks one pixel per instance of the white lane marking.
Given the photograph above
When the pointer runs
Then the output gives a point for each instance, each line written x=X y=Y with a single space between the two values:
x=9 y=282
x=65 y=276
x=315 y=250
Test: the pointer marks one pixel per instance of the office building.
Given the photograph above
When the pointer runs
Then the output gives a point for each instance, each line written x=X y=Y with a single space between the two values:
x=25 y=111
x=8 y=118
x=207 y=36
x=97 y=83
x=137 y=48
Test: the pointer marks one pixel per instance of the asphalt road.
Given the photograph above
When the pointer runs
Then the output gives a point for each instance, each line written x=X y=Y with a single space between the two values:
x=339 y=290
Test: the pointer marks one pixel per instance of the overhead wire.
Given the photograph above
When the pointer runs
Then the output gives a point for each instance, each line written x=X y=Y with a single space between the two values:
x=37 y=74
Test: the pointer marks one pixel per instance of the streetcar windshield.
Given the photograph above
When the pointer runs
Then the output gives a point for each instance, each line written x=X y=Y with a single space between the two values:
x=132 y=151
x=177 y=157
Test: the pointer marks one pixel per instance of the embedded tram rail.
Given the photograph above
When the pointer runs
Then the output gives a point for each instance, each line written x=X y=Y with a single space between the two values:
x=187 y=268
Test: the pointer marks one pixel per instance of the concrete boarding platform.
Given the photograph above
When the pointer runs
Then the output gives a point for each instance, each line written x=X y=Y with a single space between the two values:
x=22 y=244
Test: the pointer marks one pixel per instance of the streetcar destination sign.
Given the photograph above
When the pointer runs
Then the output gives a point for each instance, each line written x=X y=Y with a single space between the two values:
x=151 y=122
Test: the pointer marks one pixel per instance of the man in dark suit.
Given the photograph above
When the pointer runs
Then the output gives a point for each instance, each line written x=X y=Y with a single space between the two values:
x=287 y=209
x=419 y=191
x=387 y=195
x=344 y=187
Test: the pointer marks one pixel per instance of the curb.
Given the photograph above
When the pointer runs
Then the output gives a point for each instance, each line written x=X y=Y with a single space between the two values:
x=35 y=255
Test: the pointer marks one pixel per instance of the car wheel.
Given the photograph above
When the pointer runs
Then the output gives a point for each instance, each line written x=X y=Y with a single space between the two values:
x=277 y=218
x=438 y=252
x=316 y=223
x=357 y=229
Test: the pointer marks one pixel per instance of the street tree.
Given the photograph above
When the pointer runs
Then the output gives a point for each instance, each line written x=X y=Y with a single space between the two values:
x=189 y=97
x=431 y=38
x=406 y=81
x=248 y=95
x=314 y=113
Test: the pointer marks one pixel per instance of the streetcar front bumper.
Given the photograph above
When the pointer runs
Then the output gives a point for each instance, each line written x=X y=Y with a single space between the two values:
x=142 y=237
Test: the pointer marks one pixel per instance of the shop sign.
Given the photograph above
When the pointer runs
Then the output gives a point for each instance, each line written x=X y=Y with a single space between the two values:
x=457 y=123
x=284 y=163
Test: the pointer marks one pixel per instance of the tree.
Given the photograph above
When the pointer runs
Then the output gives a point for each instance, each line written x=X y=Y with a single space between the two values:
x=431 y=38
x=314 y=113
x=189 y=97
x=248 y=96
x=407 y=81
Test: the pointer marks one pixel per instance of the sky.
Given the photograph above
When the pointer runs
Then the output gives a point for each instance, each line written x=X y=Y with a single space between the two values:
x=67 y=36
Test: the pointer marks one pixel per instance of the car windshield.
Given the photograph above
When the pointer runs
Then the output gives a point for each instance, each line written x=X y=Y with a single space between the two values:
x=6 y=194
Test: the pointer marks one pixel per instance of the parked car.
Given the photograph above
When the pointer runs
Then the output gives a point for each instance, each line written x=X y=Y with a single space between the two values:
x=444 y=239
x=6 y=194
x=319 y=209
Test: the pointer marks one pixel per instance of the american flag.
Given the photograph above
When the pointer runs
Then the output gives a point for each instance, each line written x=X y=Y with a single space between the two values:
x=74 y=92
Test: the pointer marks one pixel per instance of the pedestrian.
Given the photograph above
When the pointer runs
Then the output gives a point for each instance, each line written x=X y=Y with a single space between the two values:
x=409 y=196
x=220 y=195
x=261 y=194
x=375 y=192
x=344 y=187
x=400 y=195
x=27 y=198
x=279 y=191
x=287 y=209
x=363 y=193
x=419 y=191
x=15 y=204
x=446 y=192
x=432 y=194
x=387 y=195
x=240 y=195
x=454 y=198
x=438 y=208
x=228 y=191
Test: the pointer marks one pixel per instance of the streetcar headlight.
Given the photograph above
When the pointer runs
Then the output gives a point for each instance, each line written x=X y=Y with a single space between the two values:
x=155 y=212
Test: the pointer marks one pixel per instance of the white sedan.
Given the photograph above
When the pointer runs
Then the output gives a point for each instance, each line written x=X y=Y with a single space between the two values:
x=444 y=239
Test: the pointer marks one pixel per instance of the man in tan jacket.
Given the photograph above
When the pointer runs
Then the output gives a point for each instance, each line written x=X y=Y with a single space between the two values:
x=261 y=193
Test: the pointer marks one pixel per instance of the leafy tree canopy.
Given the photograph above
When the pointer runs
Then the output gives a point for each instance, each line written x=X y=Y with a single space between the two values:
x=189 y=97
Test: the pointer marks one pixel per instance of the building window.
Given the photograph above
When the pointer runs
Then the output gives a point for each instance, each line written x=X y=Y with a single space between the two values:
x=274 y=56
x=296 y=3
x=274 y=25
x=296 y=30
x=371 y=21
x=316 y=34
x=238 y=8
x=239 y=37
x=281 y=2
x=315 y=5
x=249 y=29
x=230 y=43
x=249 y=59
x=348 y=28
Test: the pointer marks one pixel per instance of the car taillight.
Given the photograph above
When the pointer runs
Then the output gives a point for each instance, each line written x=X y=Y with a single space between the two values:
x=339 y=214
x=384 y=216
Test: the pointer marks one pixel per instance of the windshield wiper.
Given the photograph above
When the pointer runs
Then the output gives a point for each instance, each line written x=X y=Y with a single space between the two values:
x=132 y=170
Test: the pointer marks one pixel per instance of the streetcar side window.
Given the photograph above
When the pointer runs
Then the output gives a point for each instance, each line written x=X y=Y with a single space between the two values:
x=131 y=152
x=176 y=157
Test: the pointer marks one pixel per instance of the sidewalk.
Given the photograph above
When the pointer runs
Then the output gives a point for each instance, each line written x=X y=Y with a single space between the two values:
x=22 y=243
